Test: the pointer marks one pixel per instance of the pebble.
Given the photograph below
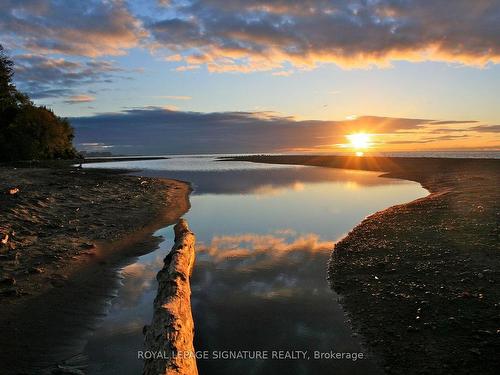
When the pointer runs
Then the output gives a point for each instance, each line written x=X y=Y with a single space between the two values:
x=13 y=191
x=36 y=270
x=87 y=245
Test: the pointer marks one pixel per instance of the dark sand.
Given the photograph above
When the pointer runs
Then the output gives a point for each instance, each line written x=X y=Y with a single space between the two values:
x=421 y=280
x=69 y=231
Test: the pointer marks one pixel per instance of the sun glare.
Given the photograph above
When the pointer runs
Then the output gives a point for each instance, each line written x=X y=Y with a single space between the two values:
x=359 y=140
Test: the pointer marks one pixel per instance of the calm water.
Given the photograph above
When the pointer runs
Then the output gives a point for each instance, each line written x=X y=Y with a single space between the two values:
x=265 y=234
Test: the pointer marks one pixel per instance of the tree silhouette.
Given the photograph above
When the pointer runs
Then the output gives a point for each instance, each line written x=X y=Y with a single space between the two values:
x=28 y=131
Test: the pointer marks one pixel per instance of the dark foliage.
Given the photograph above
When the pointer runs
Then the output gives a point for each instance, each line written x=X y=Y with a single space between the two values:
x=28 y=131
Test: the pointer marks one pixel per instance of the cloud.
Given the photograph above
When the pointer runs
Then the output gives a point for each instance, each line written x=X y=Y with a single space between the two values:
x=446 y=122
x=186 y=68
x=156 y=130
x=42 y=76
x=428 y=139
x=139 y=279
x=170 y=107
x=255 y=251
x=283 y=73
x=85 y=28
x=93 y=146
x=252 y=35
x=253 y=179
x=280 y=36
x=176 y=57
x=164 y=2
x=486 y=128
x=77 y=99
x=174 y=97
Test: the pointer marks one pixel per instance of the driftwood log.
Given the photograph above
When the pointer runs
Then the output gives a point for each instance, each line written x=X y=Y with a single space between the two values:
x=169 y=338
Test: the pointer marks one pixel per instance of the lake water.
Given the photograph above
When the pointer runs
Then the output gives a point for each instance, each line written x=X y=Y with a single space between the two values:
x=264 y=237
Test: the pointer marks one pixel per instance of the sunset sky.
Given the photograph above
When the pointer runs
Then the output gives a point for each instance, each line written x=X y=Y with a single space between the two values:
x=188 y=76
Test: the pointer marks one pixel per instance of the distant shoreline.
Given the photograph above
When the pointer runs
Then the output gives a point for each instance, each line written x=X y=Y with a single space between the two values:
x=110 y=159
x=484 y=154
x=420 y=280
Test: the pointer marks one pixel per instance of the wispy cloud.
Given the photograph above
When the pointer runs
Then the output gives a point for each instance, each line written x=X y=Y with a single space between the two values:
x=174 y=97
x=283 y=73
x=186 y=68
x=170 y=107
x=77 y=99
x=453 y=122
x=428 y=139
x=487 y=128
x=94 y=146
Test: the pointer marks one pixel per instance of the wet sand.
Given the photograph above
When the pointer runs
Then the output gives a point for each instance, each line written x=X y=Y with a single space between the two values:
x=420 y=280
x=69 y=230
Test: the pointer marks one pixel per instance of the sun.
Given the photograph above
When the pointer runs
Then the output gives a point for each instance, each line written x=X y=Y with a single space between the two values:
x=359 y=140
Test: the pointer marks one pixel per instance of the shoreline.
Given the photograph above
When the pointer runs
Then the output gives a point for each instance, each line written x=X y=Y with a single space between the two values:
x=420 y=280
x=71 y=230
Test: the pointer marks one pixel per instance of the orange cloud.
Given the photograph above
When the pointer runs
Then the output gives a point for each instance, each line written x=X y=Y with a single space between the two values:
x=76 y=99
x=248 y=36
x=276 y=241
x=260 y=35
x=260 y=250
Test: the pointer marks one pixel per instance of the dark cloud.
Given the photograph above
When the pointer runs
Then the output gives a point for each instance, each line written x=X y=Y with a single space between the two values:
x=478 y=128
x=486 y=128
x=445 y=122
x=428 y=139
x=448 y=130
x=78 y=99
x=266 y=34
x=42 y=77
x=156 y=131
x=86 y=28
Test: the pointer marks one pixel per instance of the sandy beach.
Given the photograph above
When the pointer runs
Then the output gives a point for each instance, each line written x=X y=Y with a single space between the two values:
x=65 y=233
x=420 y=280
